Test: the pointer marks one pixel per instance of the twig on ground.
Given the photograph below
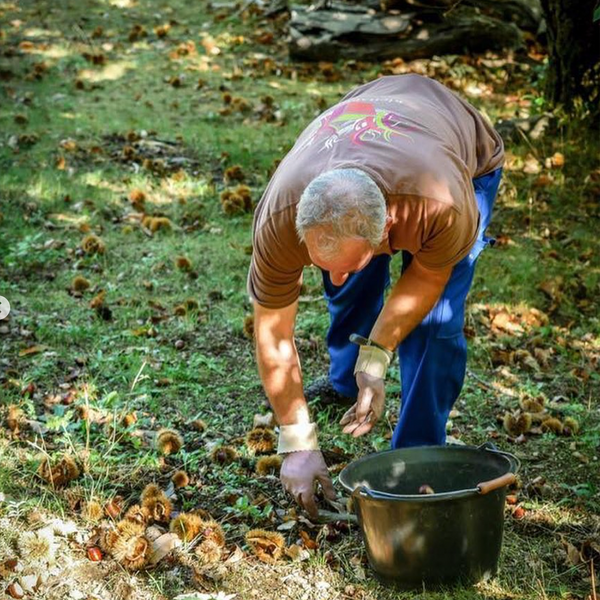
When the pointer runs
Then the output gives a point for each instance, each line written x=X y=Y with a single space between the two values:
x=139 y=374
x=328 y=516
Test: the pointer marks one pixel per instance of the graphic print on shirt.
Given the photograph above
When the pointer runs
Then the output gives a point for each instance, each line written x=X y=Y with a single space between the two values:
x=362 y=122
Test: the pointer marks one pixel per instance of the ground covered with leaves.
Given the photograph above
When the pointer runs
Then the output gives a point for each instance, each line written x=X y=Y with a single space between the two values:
x=136 y=452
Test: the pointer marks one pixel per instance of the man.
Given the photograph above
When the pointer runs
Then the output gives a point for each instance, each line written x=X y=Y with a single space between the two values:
x=400 y=164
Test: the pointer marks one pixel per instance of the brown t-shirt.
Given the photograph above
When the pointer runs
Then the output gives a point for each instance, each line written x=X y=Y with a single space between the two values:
x=420 y=143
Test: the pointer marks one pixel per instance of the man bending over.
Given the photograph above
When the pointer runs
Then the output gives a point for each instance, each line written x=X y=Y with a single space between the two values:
x=400 y=166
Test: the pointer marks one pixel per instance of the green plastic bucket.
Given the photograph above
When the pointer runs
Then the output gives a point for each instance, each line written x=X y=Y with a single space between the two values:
x=449 y=537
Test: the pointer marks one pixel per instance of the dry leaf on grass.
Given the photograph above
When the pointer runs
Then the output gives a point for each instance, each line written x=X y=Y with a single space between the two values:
x=162 y=545
x=267 y=421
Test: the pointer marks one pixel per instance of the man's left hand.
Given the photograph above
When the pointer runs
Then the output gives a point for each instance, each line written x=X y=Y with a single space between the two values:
x=363 y=415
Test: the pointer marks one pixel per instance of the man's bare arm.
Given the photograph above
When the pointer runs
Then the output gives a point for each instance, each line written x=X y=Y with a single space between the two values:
x=409 y=302
x=279 y=368
x=278 y=362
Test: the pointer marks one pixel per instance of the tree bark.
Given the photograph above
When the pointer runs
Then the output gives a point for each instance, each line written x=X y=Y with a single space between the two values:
x=574 y=53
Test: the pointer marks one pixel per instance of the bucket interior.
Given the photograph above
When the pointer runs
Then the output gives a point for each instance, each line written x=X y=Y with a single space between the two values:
x=443 y=468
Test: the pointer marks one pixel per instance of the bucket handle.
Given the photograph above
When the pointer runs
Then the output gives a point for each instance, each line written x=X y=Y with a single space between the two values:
x=489 y=486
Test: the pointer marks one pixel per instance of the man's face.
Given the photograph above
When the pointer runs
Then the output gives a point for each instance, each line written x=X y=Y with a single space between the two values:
x=353 y=255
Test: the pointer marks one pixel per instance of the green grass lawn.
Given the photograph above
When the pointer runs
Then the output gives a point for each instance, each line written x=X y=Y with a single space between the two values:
x=116 y=113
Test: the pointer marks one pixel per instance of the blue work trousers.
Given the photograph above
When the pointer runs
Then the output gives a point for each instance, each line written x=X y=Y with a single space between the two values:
x=433 y=357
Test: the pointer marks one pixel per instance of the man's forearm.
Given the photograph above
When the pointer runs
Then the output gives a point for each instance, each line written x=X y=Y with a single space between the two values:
x=409 y=302
x=282 y=380
x=279 y=364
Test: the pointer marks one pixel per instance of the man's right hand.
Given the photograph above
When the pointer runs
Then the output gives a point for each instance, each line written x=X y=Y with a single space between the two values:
x=299 y=472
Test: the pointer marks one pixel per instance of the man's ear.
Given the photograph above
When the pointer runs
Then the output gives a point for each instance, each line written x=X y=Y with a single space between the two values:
x=388 y=226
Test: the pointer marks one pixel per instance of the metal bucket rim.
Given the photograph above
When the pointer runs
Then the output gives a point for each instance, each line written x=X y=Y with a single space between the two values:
x=512 y=462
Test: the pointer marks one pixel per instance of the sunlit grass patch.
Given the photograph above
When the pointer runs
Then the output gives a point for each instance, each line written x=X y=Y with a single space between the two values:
x=128 y=119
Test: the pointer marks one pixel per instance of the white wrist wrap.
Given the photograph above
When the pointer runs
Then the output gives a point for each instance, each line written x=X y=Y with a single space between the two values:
x=293 y=438
x=373 y=361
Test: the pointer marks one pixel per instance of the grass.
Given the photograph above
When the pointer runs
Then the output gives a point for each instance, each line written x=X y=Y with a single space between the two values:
x=65 y=172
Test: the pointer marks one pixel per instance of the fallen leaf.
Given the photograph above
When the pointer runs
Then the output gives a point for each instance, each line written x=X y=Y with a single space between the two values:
x=573 y=555
x=32 y=350
x=287 y=526
x=297 y=553
x=308 y=542
x=532 y=165
x=162 y=546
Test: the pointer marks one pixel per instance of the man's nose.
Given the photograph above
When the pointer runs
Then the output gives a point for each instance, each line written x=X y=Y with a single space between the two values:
x=338 y=278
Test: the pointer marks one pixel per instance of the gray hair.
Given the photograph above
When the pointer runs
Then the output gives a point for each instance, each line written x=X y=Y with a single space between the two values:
x=348 y=203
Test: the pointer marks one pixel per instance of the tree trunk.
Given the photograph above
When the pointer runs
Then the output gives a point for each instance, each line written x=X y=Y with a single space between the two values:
x=574 y=53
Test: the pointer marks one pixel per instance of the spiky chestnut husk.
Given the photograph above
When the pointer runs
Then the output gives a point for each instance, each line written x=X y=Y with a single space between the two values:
x=37 y=546
x=138 y=514
x=183 y=263
x=132 y=552
x=199 y=425
x=155 y=224
x=268 y=465
x=180 y=479
x=107 y=539
x=234 y=173
x=234 y=205
x=150 y=491
x=75 y=497
x=261 y=440
x=225 y=195
x=128 y=528
x=191 y=304
x=223 y=455
x=244 y=192
x=208 y=552
x=517 y=425
x=137 y=198
x=161 y=223
x=187 y=526
x=211 y=530
x=160 y=508
x=552 y=424
x=241 y=104
x=129 y=419
x=571 y=426
x=266 y=545
x=80 y=284
x=124 y=530
x=180 y=310
x=61 y=473
x=168 y=441
x=92 y=244
x=92 y=511
x=249 y=326
x=532 y=406
x=203 y=514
